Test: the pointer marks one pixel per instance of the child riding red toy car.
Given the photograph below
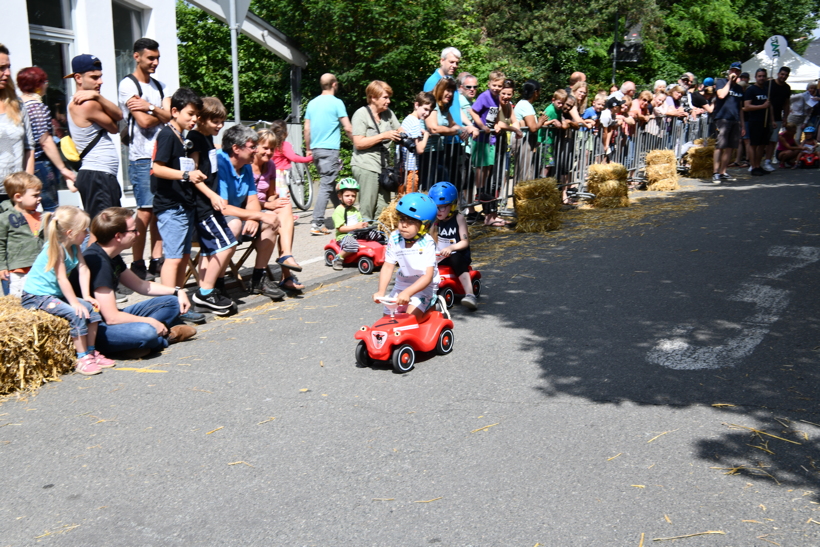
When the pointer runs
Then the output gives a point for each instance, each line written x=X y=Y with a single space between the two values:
x=369 y=256
x=397 y=337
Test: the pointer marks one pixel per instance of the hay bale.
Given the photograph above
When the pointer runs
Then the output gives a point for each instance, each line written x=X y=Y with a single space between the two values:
x=610 y=202
x=711 y=142
x=661 y=171
x=700 y=160
x=601 y=172
x=664 y=185
x=389 y=218
x=657 y=157
x=609 y=193
x=698 y=141
x=35 y=347
x=537 y=205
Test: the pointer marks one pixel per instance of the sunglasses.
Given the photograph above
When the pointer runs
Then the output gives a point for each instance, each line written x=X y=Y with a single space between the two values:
x=470 y=86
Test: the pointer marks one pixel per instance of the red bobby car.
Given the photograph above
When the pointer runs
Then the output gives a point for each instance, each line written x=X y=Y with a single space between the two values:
x=369 y=256
x=449 y=287
x=397 y=338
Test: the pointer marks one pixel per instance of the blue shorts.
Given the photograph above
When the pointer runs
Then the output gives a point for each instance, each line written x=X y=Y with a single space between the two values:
x=214 y=235
x=139 y=171
x=177 y=229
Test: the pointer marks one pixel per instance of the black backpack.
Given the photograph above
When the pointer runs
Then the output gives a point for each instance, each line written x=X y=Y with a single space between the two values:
x=127 y=125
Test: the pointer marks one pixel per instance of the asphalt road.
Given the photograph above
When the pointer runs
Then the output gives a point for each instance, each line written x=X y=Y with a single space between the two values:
x=589 y=401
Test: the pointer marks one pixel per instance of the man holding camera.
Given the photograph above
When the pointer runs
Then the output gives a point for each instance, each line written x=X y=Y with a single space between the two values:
x=728 y=115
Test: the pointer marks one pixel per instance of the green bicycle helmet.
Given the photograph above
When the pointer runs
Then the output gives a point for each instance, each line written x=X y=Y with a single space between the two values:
x=348 y=183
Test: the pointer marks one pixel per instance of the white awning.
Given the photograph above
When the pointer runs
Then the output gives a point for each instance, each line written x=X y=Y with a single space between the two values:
x=803 y=71
x=260 y=32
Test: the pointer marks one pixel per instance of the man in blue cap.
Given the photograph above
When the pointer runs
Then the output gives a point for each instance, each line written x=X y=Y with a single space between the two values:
x=92 y=119
x=728 y=116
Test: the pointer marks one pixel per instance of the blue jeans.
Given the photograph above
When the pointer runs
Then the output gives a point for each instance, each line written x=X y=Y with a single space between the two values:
x=327 y=163
x=59 y=307
x=126 y=336
x=139 y=171
x=50 y=178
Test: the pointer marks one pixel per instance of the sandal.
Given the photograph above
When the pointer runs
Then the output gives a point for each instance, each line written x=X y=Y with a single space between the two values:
x=733 y=164
x=294 y=284
x=282 y=262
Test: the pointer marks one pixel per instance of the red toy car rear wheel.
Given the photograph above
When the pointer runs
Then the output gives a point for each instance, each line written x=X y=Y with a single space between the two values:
x=445 y=342
x=330 y=256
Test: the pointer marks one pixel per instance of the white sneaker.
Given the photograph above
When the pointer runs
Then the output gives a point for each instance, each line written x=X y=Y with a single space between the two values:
x=767 y=165
x=750 y=168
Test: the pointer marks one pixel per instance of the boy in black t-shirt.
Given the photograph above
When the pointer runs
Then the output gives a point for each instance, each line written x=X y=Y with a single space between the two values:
x=761 y=121
x=172 y=182
x=216 y=241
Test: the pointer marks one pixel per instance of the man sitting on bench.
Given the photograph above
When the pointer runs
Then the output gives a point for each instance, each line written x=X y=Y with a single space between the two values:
x=243 y=212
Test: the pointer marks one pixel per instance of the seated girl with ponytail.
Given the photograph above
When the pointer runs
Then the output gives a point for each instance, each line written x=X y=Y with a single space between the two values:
x=414 y=250
x=47 y=287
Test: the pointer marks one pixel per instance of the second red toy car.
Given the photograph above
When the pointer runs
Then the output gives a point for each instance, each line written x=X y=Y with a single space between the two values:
x=449 y=287
x=369 y=256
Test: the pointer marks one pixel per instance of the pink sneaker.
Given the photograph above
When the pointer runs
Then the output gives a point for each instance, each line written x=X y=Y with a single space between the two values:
x=103 y=361
x=87 y=366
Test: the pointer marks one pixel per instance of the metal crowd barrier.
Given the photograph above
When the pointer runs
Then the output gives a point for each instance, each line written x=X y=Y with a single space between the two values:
x=565 y=154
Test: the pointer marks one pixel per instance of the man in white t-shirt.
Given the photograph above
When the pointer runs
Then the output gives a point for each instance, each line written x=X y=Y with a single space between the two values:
x=144 y=110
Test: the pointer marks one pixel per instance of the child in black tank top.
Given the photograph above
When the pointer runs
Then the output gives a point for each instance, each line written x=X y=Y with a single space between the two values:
x=453 y=243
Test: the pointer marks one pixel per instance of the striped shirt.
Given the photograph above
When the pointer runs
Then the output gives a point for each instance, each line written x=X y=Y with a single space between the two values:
x=40 y=117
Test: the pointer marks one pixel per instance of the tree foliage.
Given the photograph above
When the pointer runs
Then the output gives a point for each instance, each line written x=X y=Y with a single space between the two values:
x=399 y=42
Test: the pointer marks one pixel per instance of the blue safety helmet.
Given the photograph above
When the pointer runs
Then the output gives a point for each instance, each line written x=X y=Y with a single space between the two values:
x=708 y=81
x=810 y=130
x=418 y=206
x=443 y=193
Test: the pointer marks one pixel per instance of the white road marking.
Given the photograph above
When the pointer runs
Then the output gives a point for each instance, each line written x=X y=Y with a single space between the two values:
x=679 y=354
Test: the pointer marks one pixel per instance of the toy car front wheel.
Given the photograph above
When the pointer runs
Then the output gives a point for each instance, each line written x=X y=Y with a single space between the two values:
x=445 y=342
x=449 y=296
x=366 y=265
x=330 y=256
x=363 y=358
x=404 y=358
x=477 y=287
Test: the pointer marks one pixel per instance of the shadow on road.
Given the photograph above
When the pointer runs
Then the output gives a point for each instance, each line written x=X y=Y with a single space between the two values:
x=634 y=306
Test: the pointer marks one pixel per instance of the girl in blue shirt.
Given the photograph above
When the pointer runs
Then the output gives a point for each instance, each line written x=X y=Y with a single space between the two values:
x=48 y=289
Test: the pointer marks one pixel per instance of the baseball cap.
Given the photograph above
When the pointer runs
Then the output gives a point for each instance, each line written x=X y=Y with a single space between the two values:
x=737 y=65
x=84 y=63
x=612 y=102
x=810 y=130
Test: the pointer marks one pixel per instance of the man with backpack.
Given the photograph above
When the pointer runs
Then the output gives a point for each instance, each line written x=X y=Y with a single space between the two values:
x=142 y=100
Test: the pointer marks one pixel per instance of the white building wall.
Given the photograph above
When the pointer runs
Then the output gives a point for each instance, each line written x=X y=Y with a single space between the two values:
x=94 y=33
x=15 y=33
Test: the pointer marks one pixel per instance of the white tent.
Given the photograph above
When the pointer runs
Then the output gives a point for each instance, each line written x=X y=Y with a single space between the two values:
x=803 y=71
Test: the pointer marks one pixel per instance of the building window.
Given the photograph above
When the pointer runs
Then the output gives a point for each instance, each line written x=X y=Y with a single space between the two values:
x=49 y=13
x=52 y=43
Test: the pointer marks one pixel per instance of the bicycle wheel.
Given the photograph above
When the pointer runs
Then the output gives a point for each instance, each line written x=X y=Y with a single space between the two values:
x=301 y=186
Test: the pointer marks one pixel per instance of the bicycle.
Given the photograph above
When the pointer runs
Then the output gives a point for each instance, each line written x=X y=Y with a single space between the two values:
x=300 y=183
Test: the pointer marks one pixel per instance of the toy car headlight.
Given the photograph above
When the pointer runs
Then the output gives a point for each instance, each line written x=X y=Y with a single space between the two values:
x=397 y=333
x=363 y=328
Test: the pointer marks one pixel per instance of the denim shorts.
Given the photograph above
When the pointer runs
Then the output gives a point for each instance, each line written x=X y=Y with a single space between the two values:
x=139 y=171
x=177 y=229
x=61 y=308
